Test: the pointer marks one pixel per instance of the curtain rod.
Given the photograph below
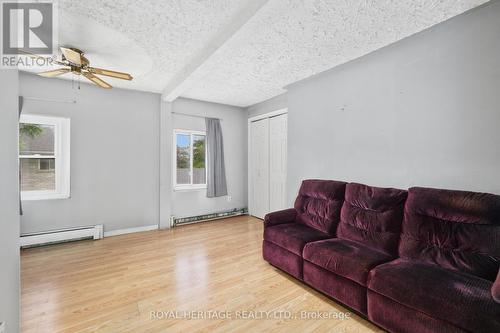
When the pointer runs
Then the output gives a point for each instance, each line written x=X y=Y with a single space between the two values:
x=193 y=115
x=48 y=100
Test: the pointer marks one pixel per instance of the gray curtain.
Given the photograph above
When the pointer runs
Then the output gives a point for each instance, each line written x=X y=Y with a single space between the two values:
x=21 y=101
x=216 y=170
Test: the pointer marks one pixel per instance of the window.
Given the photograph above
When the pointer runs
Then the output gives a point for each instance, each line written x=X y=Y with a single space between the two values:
x=44 y=157
x=189 y=160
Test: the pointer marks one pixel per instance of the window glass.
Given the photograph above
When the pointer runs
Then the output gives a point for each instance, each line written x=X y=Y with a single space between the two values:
x=37 y=157
x=37 y=174
x=190 y=160
x=183 y=158
x=36 y=139
x=199 y=171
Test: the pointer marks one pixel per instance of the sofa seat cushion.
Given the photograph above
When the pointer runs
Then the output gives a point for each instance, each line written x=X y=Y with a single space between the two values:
x=293 y=236
x=461 y=299
x=346 y=258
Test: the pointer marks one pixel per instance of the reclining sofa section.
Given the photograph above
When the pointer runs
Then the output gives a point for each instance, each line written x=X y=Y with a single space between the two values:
x=315 y=216
x=422 y=260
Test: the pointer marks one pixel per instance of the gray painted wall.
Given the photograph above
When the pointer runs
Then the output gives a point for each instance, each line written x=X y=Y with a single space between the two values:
x=234 y=127
x=272 y=104
x=114 y=156
x=423 y=111
x=9 y=201
x=165 y=193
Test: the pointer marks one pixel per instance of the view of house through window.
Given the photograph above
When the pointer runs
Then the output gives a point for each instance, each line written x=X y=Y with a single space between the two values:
x=44 y=157
x=37 y=157
x=190 y=150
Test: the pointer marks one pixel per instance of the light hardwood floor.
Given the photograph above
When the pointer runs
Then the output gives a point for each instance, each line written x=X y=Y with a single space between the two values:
x=114 y=284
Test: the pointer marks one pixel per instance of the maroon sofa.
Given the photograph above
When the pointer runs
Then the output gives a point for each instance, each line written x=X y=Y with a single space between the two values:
x=422 y=260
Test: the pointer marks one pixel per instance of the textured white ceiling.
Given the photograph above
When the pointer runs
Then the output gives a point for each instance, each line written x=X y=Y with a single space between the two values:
x=151 y=39
x=289 y=40
x=158 y=41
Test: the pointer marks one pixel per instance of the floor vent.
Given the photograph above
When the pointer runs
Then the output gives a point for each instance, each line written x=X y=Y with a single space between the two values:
x=61 y=236
x=177 y=221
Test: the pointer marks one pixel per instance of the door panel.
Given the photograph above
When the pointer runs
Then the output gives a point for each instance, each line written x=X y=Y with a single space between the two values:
x=278 y=160
x=259 y=168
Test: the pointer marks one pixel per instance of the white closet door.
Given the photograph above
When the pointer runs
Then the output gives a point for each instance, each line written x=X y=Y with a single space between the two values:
x=277 y=165
x=260 y=168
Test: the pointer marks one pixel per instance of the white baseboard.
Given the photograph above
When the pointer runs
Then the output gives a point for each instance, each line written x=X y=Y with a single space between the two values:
x=66 y=235
x=63 y=235
x=130 y=230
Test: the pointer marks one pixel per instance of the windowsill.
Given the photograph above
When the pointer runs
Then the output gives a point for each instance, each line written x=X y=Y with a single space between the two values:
x=189 y=188
x=39 y=197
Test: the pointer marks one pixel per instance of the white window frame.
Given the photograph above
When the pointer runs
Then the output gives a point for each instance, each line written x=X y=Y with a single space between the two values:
x=191 y=186
x=62 y=129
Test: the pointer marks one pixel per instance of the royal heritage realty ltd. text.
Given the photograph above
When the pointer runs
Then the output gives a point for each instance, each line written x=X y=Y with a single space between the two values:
x=247 y=314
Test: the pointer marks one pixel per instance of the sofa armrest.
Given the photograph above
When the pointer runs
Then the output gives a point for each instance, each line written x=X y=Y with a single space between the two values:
x=495 y=289
x=280 y=217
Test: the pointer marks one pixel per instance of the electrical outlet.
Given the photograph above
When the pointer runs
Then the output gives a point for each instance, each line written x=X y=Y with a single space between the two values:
x=229 y=198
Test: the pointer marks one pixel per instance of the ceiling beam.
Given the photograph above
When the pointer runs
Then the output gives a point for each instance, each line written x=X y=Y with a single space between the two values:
x=179 y=83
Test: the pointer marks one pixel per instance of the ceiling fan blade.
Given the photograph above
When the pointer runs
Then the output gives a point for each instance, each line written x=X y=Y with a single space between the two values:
x=107 y=72
x=55 y=72
x=72 y=56
x=96 y=80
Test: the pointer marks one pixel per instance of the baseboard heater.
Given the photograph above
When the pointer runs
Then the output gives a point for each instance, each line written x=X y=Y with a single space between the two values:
x=177 y=221
x=61 y=236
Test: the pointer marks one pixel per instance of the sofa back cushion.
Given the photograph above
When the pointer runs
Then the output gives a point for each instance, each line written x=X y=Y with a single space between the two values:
x=372 y=216
x=456 y=230
x=318 y=204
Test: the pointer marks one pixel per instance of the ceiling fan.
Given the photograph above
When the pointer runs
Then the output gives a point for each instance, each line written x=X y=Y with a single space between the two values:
x=75 y=62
